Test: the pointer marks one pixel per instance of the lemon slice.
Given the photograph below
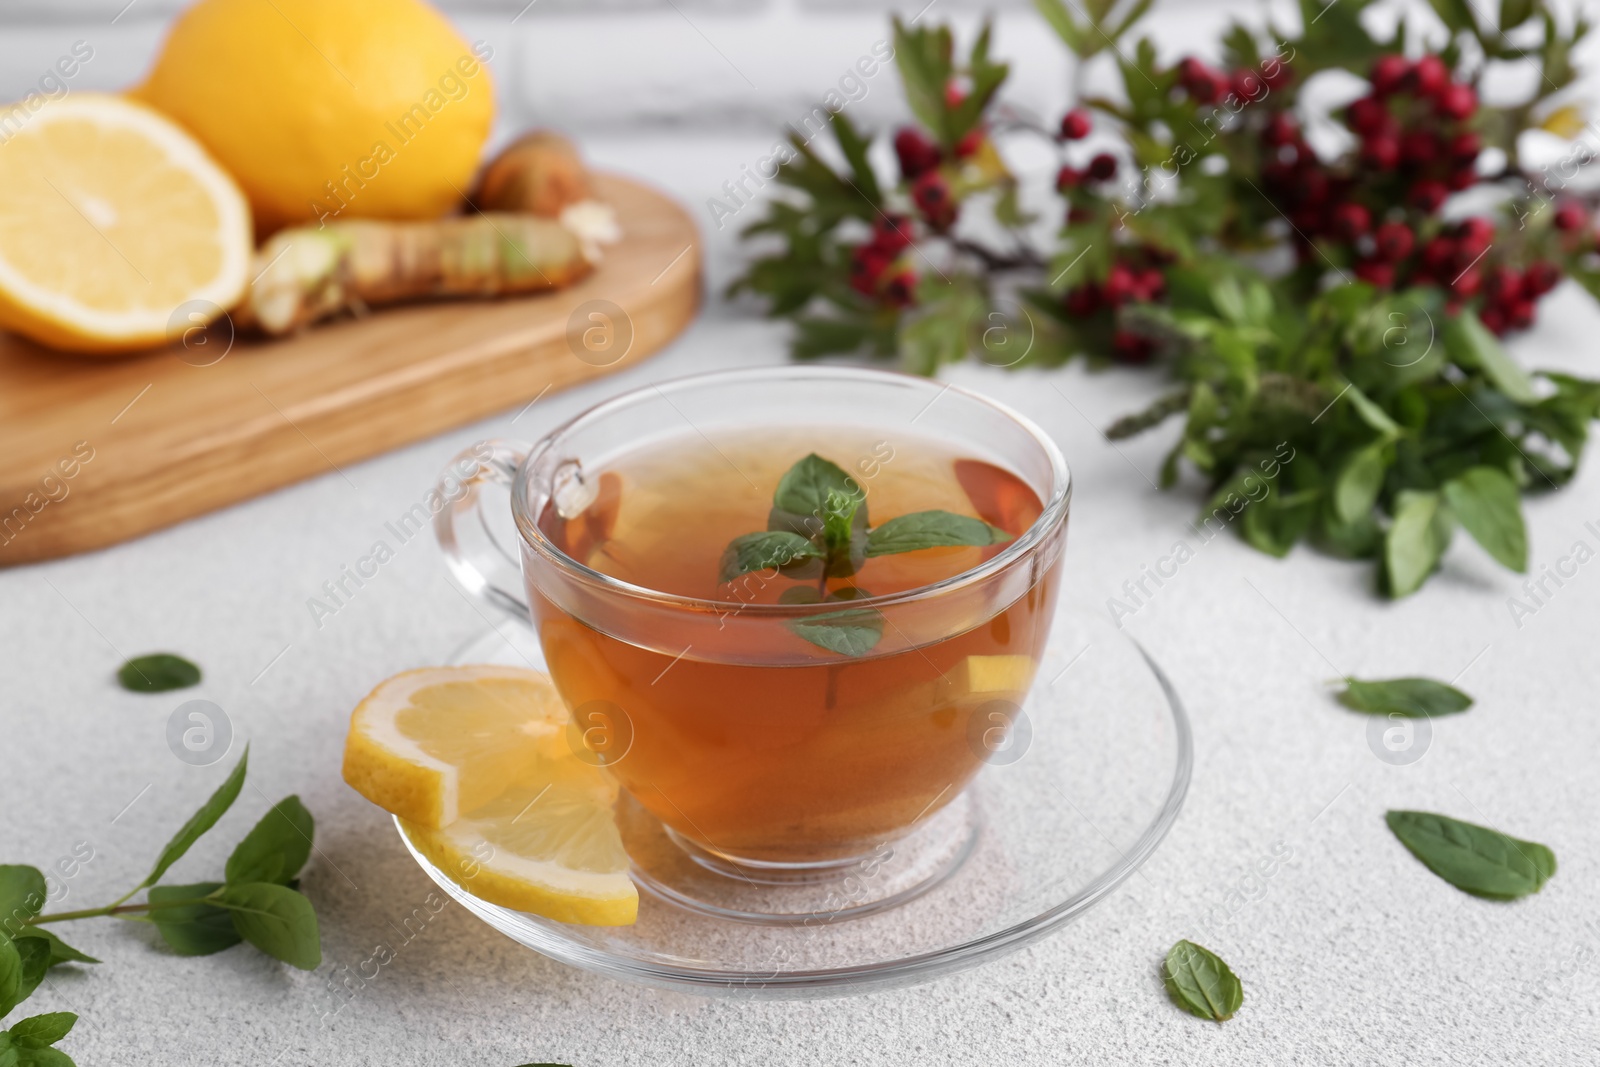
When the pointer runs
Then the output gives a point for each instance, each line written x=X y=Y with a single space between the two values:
x=117 y=230
x=431 y=744
x=547 y=845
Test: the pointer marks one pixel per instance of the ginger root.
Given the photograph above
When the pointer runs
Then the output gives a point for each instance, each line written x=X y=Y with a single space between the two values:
x=309 y=273
x=537 y=226
x=539 y=173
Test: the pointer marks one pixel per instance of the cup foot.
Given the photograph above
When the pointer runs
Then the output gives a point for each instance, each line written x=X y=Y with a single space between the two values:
x=716 y=884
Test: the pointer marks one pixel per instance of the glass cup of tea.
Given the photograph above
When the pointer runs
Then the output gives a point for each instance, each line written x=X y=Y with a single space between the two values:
x=750 y=639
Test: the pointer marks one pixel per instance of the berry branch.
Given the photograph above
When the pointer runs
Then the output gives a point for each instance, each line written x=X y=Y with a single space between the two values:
x=1327 y=286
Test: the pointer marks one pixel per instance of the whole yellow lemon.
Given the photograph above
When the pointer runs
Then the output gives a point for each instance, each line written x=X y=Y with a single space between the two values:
x=324 y=109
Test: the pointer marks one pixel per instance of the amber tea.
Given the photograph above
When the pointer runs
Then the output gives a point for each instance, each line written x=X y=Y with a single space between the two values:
x=836 y=706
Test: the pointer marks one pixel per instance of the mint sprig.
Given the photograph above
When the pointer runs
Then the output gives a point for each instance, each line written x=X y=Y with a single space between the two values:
x=256 y=902
x=818 y=529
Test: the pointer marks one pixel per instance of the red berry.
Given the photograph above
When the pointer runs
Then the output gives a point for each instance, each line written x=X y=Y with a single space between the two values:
x=1204 y=85
x=1462 y=178
x=1076 y=124
x=1076 y=213
x=1103 y=167
x=1306 y=220
x=1068 y=178
x=1351 y=221
x=1247 y=85
x=900 y=291
x=1519 y=314
x=1427 y=194
x=892 y=233
x=1083 y=300
x=916 y=153
x=1150 y=284
x=1570 y=218
x=1375 y=273
x=1540 y=277
x=1280 y=130
x=1503 y=285
x=1494 y=320
x=1465 y=146
x=969 y=143
x=1129 y=347
x=1457 y=101
x=1474 y=235
x=1312 y=188
x=1467 y=284
x=1430 y=76
x=867 y=265
x=1438 y=254
x=1387 y=74
x=1275 y=73
x=1367 y=115
x=931 y=194
x=1381 y=151
x=1121 y=285
x=1419 y=148
x=954 y=93
x=1394 y=241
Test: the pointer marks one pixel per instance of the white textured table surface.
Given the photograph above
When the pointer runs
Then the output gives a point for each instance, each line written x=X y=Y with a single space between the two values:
x=1350 y=954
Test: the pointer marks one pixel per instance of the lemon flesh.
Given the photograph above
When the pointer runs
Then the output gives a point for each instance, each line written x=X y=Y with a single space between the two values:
x=117 y=230
x=431 y=744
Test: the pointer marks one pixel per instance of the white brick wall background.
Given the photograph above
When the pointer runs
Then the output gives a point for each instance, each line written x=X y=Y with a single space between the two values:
x=632 y=79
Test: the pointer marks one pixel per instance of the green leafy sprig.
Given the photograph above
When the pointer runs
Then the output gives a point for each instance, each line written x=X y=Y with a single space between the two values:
x=257 y=901
x=818 y=530
x=1407 y=418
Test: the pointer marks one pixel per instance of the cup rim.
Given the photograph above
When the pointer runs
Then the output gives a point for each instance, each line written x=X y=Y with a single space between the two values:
x=1055 y=508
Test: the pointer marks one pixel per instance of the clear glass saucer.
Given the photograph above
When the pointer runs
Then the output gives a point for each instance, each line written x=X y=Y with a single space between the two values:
x=1085 y=786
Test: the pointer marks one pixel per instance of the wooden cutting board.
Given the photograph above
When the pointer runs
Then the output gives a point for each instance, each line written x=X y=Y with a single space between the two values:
x=95 y=452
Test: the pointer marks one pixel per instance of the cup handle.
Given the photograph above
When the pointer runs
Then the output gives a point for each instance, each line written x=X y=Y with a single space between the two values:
x=476 y=558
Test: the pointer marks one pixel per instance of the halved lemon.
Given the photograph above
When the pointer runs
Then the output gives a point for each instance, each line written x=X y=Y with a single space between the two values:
x=548 y=845
x=432 y=744
x=117 y=230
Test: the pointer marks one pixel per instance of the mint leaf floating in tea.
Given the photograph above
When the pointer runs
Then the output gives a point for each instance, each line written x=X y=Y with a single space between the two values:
x=931 y=529
x=819 y=514
x=767 y=550
x=1474 y=859
x=1412 y=697
x=853 y=632
x=1200 y=983
x=158 y=672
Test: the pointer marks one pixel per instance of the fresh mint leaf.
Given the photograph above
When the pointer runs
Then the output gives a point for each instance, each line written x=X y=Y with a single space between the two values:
x=1200 y=983
x=844 y=532
x=42 y=1031
x=931 y=529
x=803 y=490
x=11 y=978
x=276 y=920
x=34 y=955
x=853 y=632
x=1359 y=482
x=60 y=951
x=1416 y=540
x=197 y=929
x=158 y=672
x=22 y=894
x=1486 y=503
x=764 y=551
x=1412 y=697
x=200 y=821
x=43 y=1057
x=1474 y=859
x=1472 y=345
x=276 y=849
